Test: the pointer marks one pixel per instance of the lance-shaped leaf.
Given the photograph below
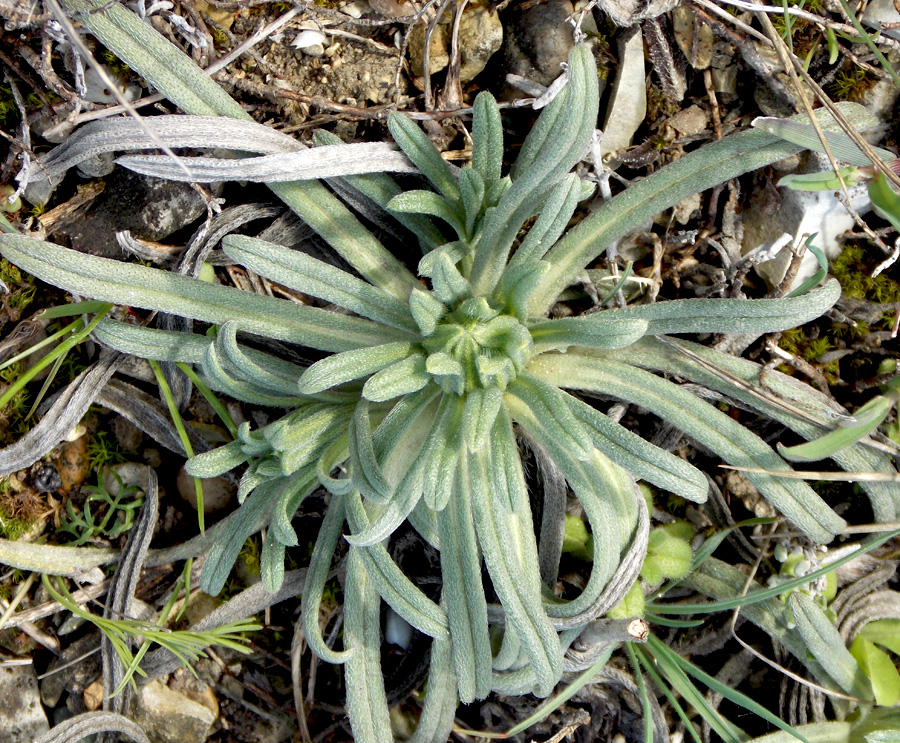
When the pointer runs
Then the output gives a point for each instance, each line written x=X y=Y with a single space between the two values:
x=481 y=409
x=710 y=426
x=822 y=639
x=150 y=288
x=499 y=534
x=262 y=371
x=552 y=222
x=224 y=551
x=548 y=405
x=366 y=471
x=400 y=378
x=727 y=315
x=366 y=700
x=574 y=112
x=428 y=202
x=391 y=583
x=176 y=76
x=290 y=496
x=637 y=455
x=418 y=148
x=487 y=137
x=693 y=173
x=464 y=594
x=223 y=380
x=599 y=330
x=345 y=367
x=804 y=135
x=216 y=462
x=796 y=405
x=316 y=577
x=471 y=187
x=322 y=162
x=604 y=490
x=868 y=418
x=302 y=272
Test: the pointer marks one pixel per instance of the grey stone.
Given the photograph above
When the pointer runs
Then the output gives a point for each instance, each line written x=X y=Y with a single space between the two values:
x=150 y=208
x=540 y=41
x=168 y=716
x=22 y=717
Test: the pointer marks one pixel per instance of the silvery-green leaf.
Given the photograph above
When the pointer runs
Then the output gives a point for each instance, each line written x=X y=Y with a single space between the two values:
x=345 y=367
x=868 y=418
x=250 y=480
x=551 y=223
x=500 y=536
x=176 y=76
x=224 y=551
x=151 y=343
x=594 y=331
x=482 y=407
x=428 y=202
x=253 y=442
x=262 y=371
x=221 y=379
x=704 y=168
x=804 y=135
x=418 y=148
x=217 y=461
x=714 y=429
x=391 y=583
x=287 y=501
x=602 y=487
x=639 y=456
x=367 y=475
x=150 y=288
x=316 y=577
x=441 y=453
x=822 y=639
x=464 y=595
x=448 y=284
x=331 y=161
x=332 y=457
x=547 y=163
x=487 y=137
x=548 y=405
x=796 y=405
x=455 y=251
x=426 y=310
x=381 y=188
x=160 y=62
x=271 y=565
x=518 y=283
x=402 y=378
x=302 y=272
x=366 y=701
x=728 y=315
x=439 y=711
x=471 y=187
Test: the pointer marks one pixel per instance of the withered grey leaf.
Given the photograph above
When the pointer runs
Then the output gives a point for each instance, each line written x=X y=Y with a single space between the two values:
x=121 y=591
x=90 y=723
x=116 y=135
x=148 y=414
x=328 y=161
x=66 y=409
x=629 y=12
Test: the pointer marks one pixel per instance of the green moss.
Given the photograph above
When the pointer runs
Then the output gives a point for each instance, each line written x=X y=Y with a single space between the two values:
x=13 y=526
x=851 y=84
x=103 y=452
x=853 y=268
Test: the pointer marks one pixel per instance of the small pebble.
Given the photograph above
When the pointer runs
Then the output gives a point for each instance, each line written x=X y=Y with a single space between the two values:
x=217 y=491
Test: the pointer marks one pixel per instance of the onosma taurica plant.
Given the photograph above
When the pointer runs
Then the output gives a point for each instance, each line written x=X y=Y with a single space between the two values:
x=434 y=374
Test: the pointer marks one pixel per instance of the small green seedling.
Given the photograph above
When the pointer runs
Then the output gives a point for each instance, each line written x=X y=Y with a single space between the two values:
x=103 y=515
x=876 y=663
